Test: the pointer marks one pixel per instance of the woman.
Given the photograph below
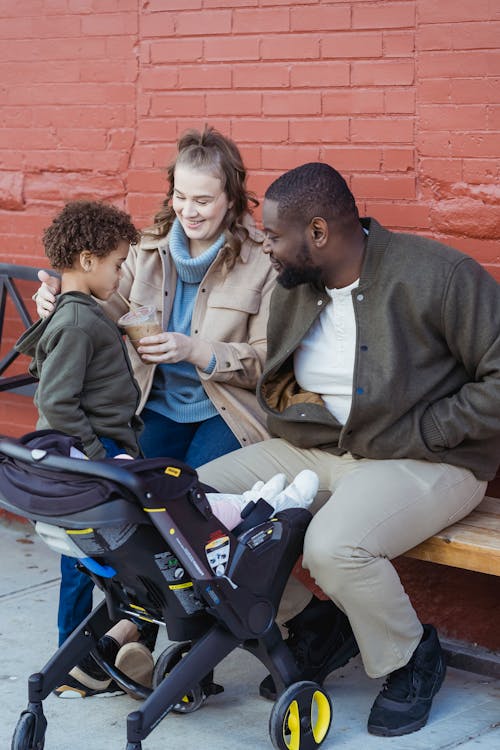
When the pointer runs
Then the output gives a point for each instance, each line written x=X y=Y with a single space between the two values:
x=201 y=264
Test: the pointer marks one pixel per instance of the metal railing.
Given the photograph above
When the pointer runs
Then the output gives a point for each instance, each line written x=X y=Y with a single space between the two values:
x=10 y=273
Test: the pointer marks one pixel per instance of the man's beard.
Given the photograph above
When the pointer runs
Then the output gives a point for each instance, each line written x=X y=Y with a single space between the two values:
x=293 y=275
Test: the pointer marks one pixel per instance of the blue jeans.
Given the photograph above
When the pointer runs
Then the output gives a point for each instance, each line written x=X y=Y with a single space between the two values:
x=75 y=590
x=75 y=597
x=195 y=443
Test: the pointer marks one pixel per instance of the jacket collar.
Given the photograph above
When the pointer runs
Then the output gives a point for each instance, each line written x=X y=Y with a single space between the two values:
x=378 y=242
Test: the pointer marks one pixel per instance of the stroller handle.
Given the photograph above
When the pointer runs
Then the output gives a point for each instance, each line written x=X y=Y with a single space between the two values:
x=94 y=469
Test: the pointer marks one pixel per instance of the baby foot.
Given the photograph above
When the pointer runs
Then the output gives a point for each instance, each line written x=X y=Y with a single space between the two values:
x=262 y=490
x=299 y=494
x=271 y=488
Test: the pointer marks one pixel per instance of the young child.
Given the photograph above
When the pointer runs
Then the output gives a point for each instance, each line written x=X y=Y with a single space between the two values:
x=86 y=387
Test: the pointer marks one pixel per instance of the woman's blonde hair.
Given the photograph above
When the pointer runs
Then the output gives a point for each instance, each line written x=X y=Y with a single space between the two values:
x=210 y=151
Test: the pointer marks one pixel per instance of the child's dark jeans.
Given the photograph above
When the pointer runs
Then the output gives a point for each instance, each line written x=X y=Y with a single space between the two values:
x=75 y=591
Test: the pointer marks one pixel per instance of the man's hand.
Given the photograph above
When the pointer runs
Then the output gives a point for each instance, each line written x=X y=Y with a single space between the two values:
x=45 y=297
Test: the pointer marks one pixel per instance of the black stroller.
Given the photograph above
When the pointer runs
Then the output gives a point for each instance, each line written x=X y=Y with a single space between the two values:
x=146 y=535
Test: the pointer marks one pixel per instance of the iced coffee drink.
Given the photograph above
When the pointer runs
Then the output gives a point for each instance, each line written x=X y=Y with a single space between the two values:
x=140 y=323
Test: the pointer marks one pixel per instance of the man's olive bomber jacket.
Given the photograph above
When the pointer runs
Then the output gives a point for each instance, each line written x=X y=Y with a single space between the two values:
x=427 y=365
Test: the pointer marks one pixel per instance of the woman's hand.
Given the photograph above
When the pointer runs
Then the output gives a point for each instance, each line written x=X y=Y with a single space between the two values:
x=170 y=347
x=45 y=297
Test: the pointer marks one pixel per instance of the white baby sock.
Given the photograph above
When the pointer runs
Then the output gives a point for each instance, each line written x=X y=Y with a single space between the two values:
x=266 y=490
x=299 y=494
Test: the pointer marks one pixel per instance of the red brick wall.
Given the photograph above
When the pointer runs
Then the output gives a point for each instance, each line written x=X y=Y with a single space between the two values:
x=401 y=96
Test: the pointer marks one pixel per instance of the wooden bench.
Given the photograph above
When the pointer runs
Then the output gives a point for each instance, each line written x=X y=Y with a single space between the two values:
x=472 y=543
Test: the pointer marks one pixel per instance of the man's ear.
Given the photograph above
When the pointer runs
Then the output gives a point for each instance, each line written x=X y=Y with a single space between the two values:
x=318 y=228
x=86 y=260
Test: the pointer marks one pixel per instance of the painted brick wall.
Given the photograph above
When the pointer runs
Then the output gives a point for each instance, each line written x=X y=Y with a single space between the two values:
x=400 y=95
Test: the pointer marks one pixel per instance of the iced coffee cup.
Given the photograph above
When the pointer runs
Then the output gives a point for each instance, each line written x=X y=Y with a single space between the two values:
x=141 y=322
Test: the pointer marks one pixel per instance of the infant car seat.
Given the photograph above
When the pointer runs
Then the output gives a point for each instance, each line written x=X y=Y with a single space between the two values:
x=145 y=533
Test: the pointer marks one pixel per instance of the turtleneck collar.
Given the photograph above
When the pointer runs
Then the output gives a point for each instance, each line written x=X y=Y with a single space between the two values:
x=191 y=270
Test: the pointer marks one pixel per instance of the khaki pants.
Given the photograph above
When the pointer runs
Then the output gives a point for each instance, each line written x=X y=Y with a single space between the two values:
x=365 y=514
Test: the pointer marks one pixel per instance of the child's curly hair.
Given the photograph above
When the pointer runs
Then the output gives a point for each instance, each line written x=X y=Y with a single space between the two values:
x=86 y=225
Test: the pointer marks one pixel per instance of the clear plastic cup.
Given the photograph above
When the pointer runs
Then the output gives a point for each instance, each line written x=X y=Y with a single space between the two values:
x=141 y=322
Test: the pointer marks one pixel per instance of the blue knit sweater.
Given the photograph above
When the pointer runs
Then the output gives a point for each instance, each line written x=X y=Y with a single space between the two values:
x=177 y=392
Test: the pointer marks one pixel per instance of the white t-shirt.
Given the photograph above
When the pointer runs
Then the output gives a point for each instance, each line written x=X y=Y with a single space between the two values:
x=324 y=361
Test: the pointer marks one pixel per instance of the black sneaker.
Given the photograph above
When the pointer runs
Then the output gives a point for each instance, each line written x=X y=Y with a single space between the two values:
x=404 y=703
x=320 y=639
x=74 y=688
x=87 y=679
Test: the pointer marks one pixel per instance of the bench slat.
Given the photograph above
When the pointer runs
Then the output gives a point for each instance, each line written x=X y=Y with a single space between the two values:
x=487 y=505
x=472 y=543
x=480 y=524
x=470 y=537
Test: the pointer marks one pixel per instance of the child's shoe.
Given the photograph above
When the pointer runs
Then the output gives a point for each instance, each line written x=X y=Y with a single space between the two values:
x=87 y=679
x=136 y=661
x=73 y=688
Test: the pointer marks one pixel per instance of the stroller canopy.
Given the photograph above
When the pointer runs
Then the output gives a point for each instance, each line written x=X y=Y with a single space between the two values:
x=34 y=489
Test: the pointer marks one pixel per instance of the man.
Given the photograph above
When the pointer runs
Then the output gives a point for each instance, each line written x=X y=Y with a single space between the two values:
x=382 y=376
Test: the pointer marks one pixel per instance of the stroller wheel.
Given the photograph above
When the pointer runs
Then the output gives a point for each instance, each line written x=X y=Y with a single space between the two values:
x=167 y=660
x=24 y=733
x=301 y=717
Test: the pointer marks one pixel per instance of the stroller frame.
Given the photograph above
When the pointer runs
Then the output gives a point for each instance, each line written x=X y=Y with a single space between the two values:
x=232 y=616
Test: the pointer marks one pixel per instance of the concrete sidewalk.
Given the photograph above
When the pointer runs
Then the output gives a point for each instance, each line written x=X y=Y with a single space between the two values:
x=465 y=714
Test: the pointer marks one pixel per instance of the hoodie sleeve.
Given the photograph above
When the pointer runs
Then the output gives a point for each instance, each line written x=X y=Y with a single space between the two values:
x=68 y=353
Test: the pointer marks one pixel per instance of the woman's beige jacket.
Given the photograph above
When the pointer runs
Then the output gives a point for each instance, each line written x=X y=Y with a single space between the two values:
x=230 y=312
